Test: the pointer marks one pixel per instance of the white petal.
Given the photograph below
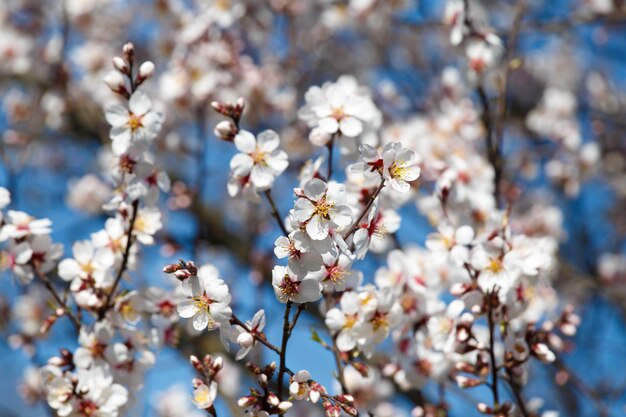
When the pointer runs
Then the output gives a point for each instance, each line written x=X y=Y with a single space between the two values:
x=187 y=309
x=268 y=140
x=245 y=141
x=139 y=103
x=350 y=126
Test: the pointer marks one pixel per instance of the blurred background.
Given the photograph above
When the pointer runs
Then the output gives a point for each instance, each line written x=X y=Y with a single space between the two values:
x=564 y=144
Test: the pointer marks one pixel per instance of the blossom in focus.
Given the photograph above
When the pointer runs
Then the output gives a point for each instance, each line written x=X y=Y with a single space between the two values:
x=207 y=300
x=136 y=125
x=259 y=159
x=321 y=206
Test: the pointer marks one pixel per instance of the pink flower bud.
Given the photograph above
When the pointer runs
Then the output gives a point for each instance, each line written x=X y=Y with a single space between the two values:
x=245 y=402
x=182 y=274
x=115 y=81
x=225 y=130
x=129 y=51
x=146 y=70
x=171 y=268
x=120 y=65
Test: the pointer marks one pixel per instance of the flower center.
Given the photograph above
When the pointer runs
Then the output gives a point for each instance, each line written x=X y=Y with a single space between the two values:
x=323 y=208
x=398 y=170
x=202 y=302
x=338 y=113
x=495 y=266
x=335 y=273
x=258 y=157
x=87 y=408
x=379 y=321
x=351 y=320
x=134 y=122
x=288 y=288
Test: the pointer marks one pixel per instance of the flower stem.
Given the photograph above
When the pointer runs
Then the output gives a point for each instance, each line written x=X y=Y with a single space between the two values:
x=355 y=225
x=120 y=273
x=275 y=213
x=283 y=349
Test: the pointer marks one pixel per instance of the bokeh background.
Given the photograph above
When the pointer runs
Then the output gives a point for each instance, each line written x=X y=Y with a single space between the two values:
x=54 y=55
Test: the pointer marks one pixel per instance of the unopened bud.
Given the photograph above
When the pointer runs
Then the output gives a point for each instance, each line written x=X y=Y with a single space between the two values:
x=226 y=130
x=146 y=70
x=115 y=81
x=182 y=274
x=273 y=400
x=245 y=339
x=245 y=402
x=129 y=52
x=192 y=268
x=345 y=398
x=284 y=406
x=121 y=65
x=218 y=363
x=484 y=408
x=238 y=108
x=171 y=268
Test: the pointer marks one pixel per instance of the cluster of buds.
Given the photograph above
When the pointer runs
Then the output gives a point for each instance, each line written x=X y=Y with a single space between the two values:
x=205 y=387
x=116 y=79
x=227 y=129
x=343 y=402
x=266 y=402
x=182 y=270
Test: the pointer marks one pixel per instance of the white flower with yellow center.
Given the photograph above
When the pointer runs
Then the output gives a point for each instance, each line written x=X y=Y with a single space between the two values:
x=204 y=395
x=290 y=287
x=136 y=125
x=321 y=207
x=259 y=159
x=399 y=167
x=207 y=300
x=344 y=322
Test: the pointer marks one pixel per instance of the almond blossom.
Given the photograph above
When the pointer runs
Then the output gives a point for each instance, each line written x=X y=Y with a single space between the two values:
x=320 y=207
x=259 y=159
x=136 y=125
x=207 y=299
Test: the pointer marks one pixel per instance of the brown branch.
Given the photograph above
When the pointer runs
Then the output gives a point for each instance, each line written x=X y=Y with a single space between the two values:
x=283 y=349
x=275 y=213
x=67 y=311
x=355 y=225
x=120 y=272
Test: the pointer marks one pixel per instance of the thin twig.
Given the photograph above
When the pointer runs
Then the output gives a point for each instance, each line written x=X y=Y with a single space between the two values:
x=57 y=297
x=355 y=225
x=275 y=213
x=340 y=368
x=120 y=272
x=330 y=146
x=492 y=354
x=283 y=349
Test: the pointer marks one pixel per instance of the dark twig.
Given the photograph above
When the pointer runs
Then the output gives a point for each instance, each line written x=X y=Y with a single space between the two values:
x=283 y=349
x=355 y=225
x=120 y=272
x=275 y=213
x=67 y=311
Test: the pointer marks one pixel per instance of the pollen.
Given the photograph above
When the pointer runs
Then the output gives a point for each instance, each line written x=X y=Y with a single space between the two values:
x=288 y=288
x=380 y=321
x=259 y=157
x=351 y=320
x=323 y=208
x=338 y=113
x=495 y=266
x=398 y=170
x=134 y=122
